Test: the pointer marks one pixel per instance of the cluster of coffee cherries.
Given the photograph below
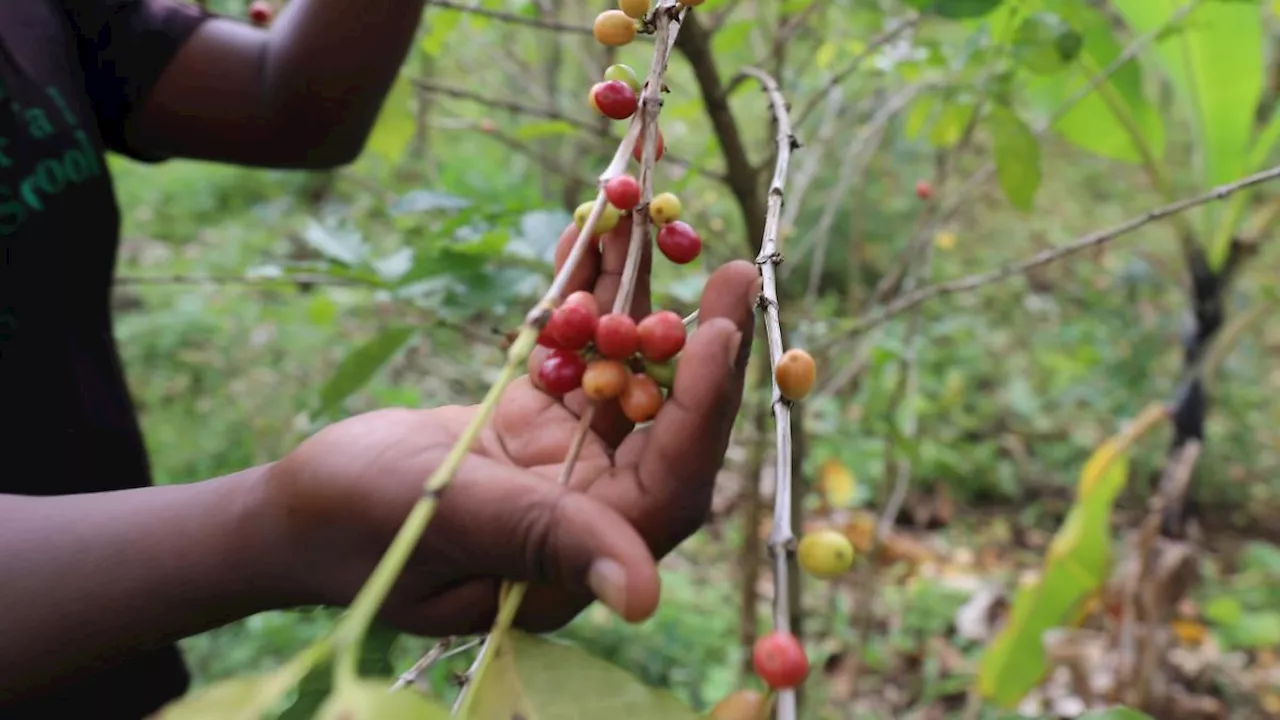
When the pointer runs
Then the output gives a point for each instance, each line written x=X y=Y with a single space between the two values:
x=615 y=28
x=610 y=356
x=676 y=239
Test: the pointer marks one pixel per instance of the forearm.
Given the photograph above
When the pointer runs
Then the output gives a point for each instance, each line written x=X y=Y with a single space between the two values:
x=330 y=64
x=85 y=578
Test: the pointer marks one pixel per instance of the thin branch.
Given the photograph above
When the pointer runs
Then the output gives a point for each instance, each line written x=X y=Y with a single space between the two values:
x=843 y=74
x=782 y=540
x=1092 y=240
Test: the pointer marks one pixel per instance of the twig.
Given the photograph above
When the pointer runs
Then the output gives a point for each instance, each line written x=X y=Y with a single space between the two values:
x=843 y=74
x=782 y=540
x=644 y=128
x=437 y=653
x=1057 y=252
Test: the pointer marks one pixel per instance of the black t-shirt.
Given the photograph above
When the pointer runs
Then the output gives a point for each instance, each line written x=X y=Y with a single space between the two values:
x=71 y=71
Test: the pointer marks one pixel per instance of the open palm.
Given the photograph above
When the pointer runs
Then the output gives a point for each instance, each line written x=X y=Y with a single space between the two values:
x=633 y=496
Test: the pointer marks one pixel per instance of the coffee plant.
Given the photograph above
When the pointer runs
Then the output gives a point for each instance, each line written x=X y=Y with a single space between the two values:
x=1062 y=59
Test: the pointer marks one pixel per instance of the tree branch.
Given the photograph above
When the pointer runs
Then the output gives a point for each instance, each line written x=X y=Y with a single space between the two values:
x=843 y=74
x=782 y=540
x=1094 y=239
x=514 y=19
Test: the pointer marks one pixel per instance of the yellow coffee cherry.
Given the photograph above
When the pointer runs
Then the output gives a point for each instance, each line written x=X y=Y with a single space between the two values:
x=664 y=208
x=825 y=554
x=614 y=28
x=634 y=8
x=607 y=221
x=796 y=372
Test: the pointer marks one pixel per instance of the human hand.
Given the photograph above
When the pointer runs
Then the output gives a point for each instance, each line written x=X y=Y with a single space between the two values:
x=341 y=496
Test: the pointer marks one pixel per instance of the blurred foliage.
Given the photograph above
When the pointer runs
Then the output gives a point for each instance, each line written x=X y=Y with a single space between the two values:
x=392 y=282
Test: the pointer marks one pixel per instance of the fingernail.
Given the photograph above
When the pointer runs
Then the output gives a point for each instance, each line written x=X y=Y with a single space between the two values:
x=608 y=581
x=735 y=344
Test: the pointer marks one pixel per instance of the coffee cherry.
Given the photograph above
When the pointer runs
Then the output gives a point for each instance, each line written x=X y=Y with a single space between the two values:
x=795 y=373
x=825 y=554
x=637 y=152
x=924 y=190
x=614 y=28
x=623 y=192
x=663 y=373
x=625 y=73
x=679 y=242
x=261 y=13
x=617 y=337
x=661 y=335
x=573 y=324
x=664 y=208
x=607 y=221
x=780 y=661
x=642 y=399
x=605 y=379
x=743 y=704
x=614 y=99
x=634 y=8
x=561 y=373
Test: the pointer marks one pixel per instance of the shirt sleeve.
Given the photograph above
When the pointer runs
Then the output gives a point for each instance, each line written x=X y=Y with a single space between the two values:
x=124 y=46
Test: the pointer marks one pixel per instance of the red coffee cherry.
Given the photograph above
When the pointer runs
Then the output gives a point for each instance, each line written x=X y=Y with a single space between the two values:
x=662 y=335
x=679 y=242
x=561 y=373
x=614 y=99
x=623 y=192
x=924 y=190
x=261 y=13
x=617 y=337
x=638 y=150
x=779 y=659
x=573 y=324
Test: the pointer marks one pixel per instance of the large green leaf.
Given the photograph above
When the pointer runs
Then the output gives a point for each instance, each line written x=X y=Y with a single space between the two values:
x=1115 y=119
x=1214 y=60
x=539 y=679
x=1076 y=565
x=356 y=369
x=236 y=698
x=1017 y=156
x=370 y=699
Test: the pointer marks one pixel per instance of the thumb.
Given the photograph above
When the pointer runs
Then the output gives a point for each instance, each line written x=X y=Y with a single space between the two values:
x=568 y=546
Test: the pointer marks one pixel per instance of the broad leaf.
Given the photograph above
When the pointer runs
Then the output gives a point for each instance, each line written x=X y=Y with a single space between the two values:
x=1214 y=59
x=1045 y=43
x=371 y=699
x=343 y=246
x=356 y=369
x=315 y=687
x=539 y=679
x=237 y=698
x=1017 y=156
x=951 y=122
x=1076 y=565
x=1114 y=119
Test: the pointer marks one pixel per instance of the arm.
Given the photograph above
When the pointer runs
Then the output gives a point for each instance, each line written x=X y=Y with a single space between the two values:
x=303 y=94
x=88 y=577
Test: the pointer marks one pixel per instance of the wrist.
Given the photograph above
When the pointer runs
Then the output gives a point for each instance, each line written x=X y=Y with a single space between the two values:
x=258 y=548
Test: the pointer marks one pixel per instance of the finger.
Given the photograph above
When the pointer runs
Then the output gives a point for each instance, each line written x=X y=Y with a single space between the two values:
x=676 y=460
x=584 y=273
x=496 y=521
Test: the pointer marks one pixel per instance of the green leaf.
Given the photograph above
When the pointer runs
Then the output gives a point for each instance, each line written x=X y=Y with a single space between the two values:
x=241 y=698
x=1115 y=713
x=1045 y=44
x=1017 y=156
x=343 y=246
x=951 y=122
x=955 y=9
x=538 y=678
x=423 y=201
x=316 y=686
x=919 y=114
x=396 y=124
x=371 y=699
x=357 y=368
x=1115 y=119
x=1215 y=62
x=549 y=128
x=440 y=27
